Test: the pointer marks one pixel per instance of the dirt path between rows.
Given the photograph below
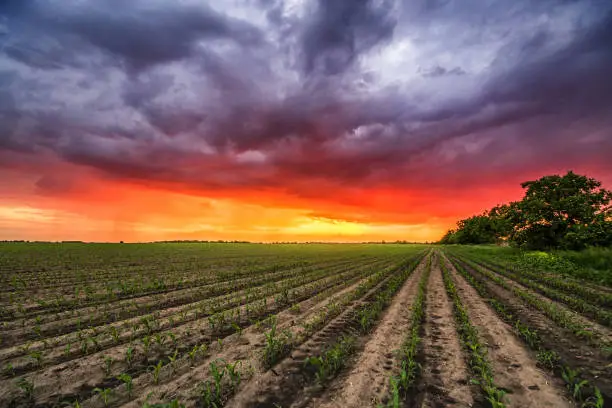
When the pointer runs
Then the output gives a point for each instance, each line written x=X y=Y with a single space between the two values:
x=287 y=384
x=577 y=353
x=366 y=384
x=246 y=348
x=514 y=367
x=602 y=333
x=445 y=380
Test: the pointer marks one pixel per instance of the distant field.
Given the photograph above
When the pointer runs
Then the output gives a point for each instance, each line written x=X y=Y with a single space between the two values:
x=301 y=325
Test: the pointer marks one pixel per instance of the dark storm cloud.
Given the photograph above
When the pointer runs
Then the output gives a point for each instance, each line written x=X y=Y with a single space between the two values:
x=340 y=30
x=276 y=93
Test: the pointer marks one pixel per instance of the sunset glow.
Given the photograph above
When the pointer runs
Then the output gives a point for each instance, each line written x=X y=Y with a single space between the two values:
x=289 y=121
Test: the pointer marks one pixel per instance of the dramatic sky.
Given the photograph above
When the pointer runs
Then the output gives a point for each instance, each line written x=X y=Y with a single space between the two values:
x=340 y=120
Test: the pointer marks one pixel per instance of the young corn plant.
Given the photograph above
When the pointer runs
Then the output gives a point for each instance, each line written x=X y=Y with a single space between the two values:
x=332 y=360
x=129 y=356
x=127 y=380
x=104 y=394
x=108 y=365
x=276 y=347
x=26 y=387
x=156 y=370
x=478 y=362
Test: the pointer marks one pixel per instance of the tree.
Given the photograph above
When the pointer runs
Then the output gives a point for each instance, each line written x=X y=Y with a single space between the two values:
x=569 y=211
x=479 y=229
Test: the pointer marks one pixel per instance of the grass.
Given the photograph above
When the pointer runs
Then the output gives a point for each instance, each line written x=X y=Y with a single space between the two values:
x=596 y=258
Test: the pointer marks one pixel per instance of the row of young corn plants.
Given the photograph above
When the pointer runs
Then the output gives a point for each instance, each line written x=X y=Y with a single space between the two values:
x=409 y=366
x=324 y=366
x=183 y=363
x=278 y=343
x=185 y=345
x=40 y=266
x=108 y=291
x=115 y=292
x=477 y=351
x=558 y=315
x=581 y=390
x=366 y=316
x=74 y=319
x=569 y=298
x=546 y=269
x=561 y=283
x=95 y=339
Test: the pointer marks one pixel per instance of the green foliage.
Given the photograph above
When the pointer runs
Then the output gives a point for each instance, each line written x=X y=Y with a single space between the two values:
x=225 y=380
x=27 y=387
x=567 y=212
x=479 y=229
x=332 y=360
x=277 y=346
x=127 y=380
x=104 y=394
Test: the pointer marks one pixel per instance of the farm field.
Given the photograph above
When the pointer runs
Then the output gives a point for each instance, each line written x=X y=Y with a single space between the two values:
x=300 y=325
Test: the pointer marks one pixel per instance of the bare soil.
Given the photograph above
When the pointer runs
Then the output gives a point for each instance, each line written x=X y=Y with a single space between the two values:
x=288 y=384
x=591 y=361
x=445 y=379
x=367 y=382
x=246 y=348
x=514 y=367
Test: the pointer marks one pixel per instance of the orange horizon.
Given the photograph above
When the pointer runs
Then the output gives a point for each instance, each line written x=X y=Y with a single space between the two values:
x=91 y=206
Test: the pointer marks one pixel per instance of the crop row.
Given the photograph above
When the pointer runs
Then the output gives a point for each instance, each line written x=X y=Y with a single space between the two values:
x=226 y=311
x=584 y=393
x=560 y=316
x=477 y=351
x=131 y=290
x=185 y=351
x=409 y=367
x=577 y=297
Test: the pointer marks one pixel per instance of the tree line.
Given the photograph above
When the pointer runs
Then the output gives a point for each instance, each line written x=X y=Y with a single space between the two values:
x=567 y=212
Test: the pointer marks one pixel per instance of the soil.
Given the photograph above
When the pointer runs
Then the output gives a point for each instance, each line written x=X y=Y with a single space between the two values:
x=246 y=348
x=514 y=367
x=445 y=379
x=288 y=383
x=593 y=364
x=81 y=375
x=366 y=384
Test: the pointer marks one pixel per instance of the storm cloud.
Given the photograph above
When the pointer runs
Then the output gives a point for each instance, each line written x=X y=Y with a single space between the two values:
x=273 y=93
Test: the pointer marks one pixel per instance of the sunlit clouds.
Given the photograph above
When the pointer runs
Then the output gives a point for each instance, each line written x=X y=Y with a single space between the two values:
x=292 y=120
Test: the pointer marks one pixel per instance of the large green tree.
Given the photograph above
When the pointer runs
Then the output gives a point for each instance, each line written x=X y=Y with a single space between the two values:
x=560 y=211
x=570 y=211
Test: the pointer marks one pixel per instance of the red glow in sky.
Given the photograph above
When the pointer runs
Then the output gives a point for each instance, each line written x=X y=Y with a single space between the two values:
x=292 y=121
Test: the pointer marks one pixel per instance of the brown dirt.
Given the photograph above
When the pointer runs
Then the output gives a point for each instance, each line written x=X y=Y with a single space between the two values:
x=366 y=384
x=514 y=367
x=286 y=383
x=245 y=348
x=81 y=375
x=577 y=353
x=602 y=334
x=445 y=376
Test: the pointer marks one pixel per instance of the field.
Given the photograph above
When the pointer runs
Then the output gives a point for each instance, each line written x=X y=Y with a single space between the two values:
x=296 y=325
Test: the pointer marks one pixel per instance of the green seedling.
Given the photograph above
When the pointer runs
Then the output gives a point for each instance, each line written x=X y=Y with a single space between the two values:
x=27 y=387
x=156 y=369
x=104 y=394
x=127 y=380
